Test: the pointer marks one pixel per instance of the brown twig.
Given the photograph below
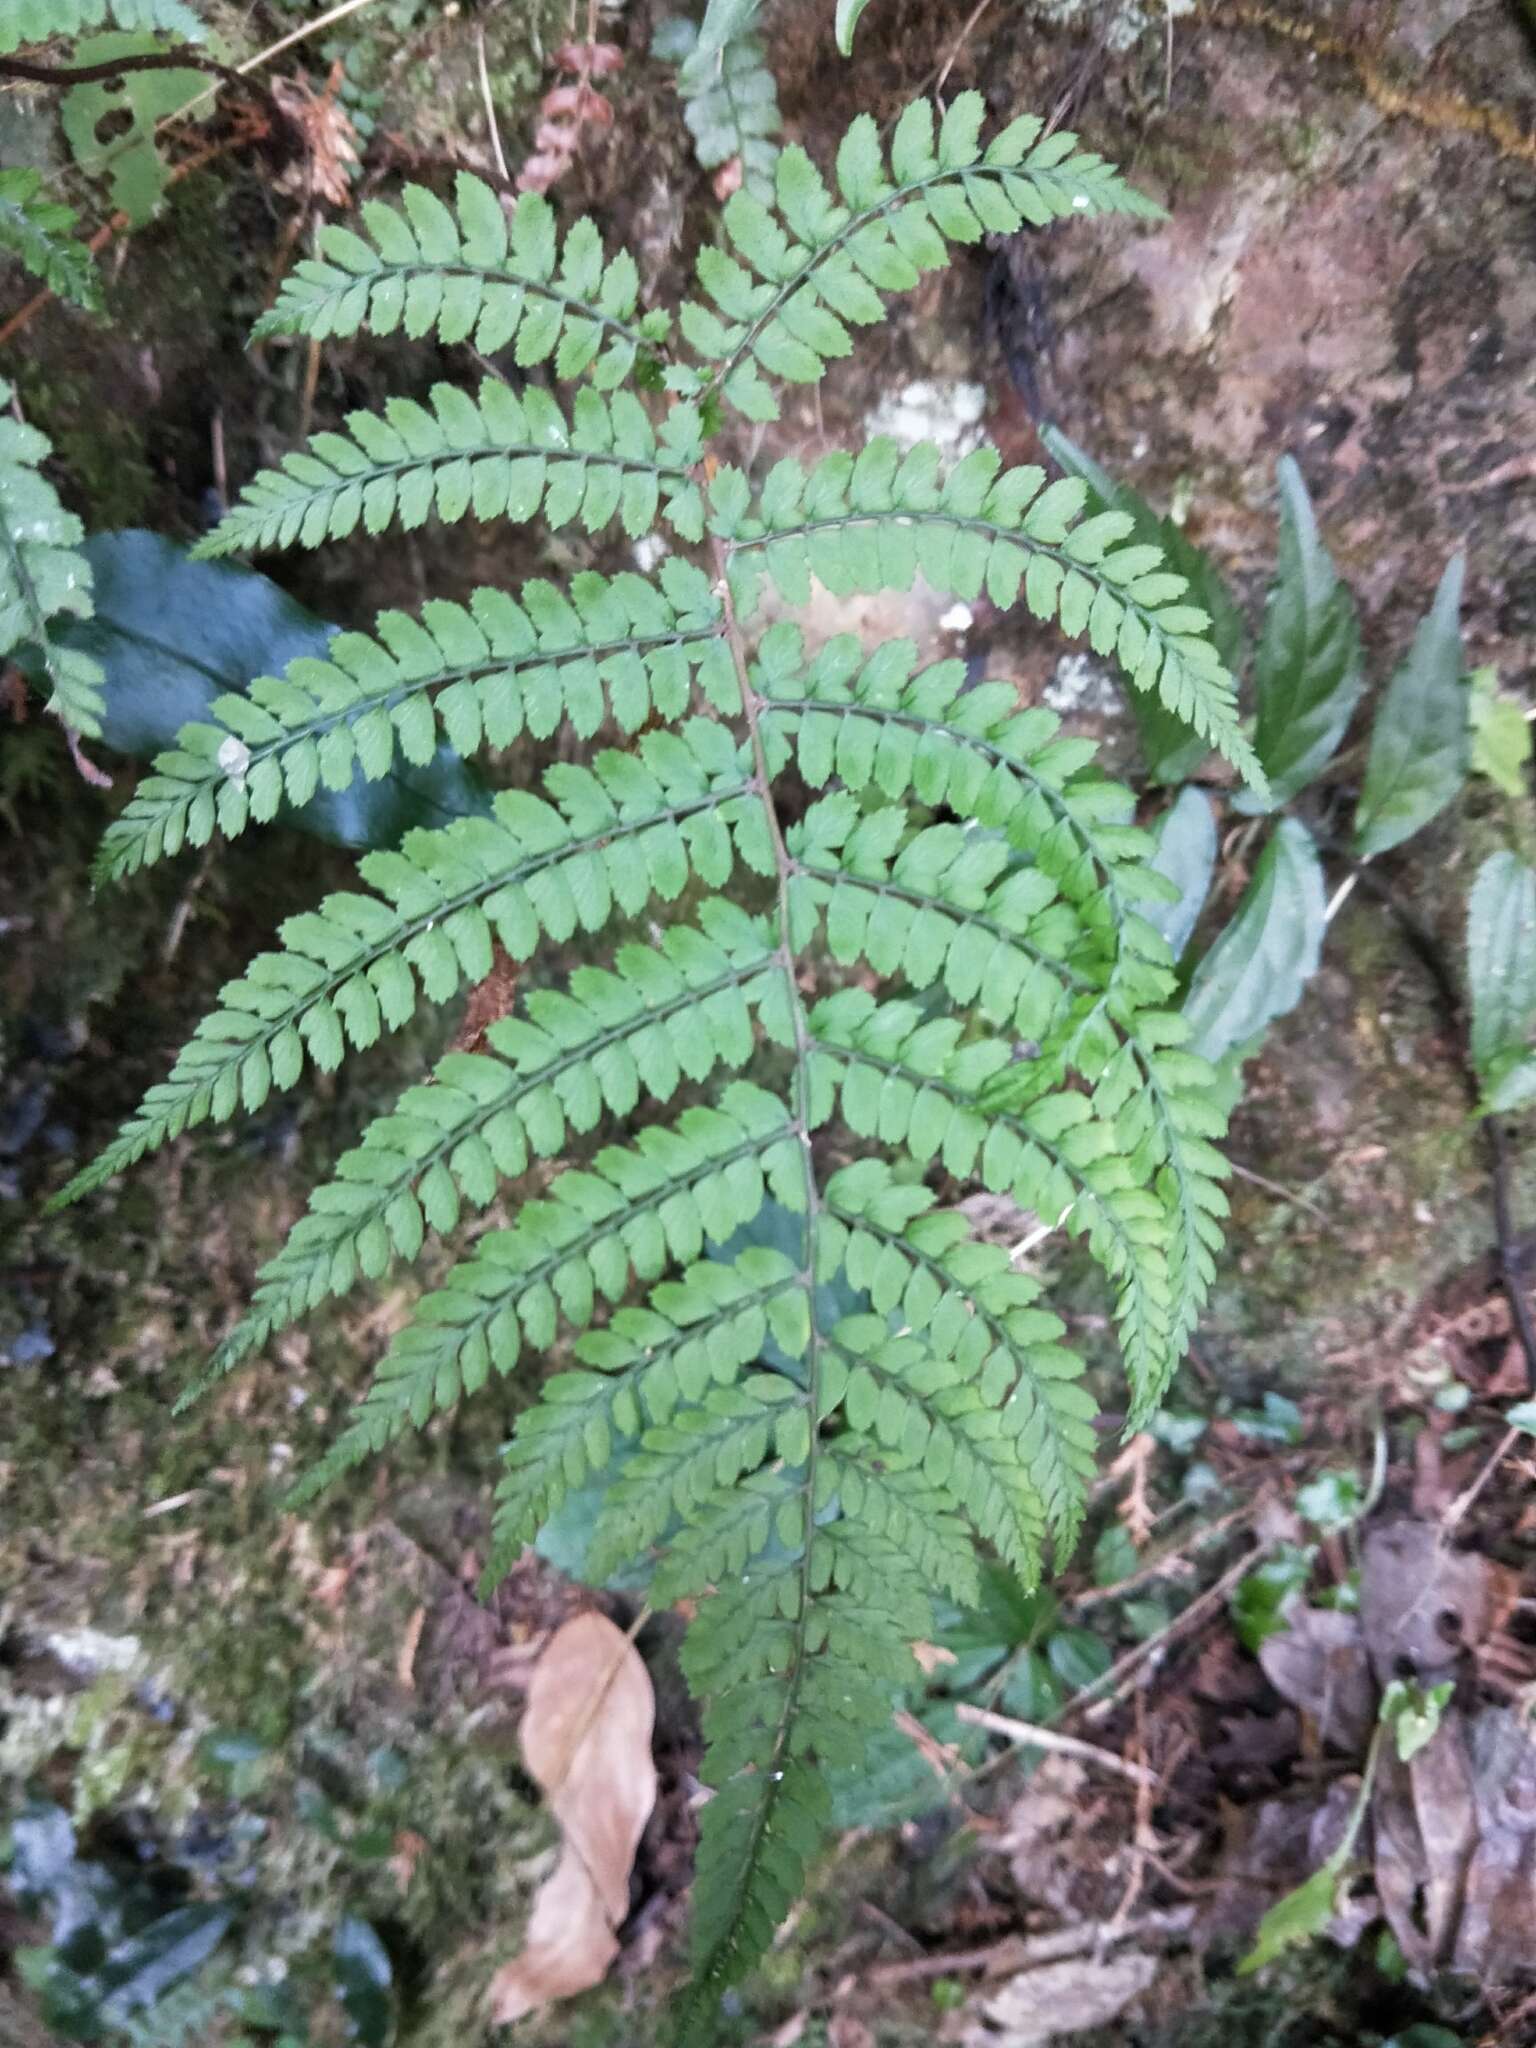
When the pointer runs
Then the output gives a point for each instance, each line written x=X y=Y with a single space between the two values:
x=23 y=69
x=1114 y=1683
x=1174 y=1560
x=1015 y=1952
x=1032 y=1736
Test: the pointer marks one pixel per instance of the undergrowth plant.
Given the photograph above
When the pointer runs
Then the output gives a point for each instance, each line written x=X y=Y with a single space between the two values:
x=730 y=97
x=872 y=936
x=44 y=579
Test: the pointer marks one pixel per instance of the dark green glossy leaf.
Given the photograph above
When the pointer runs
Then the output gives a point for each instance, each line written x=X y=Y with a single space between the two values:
x=364 y=1982
x=142 y=1969
x=1501 y=979
x=1259 y=964
x=848 y=12
x=1186 y=854
x=172 y=634
x=1307 y=673
x=1078 y=1657
x=1031 y=1690
x=1258 y=1605
x=894 y=1781
x=1419 y=742
x=1172 y=751
x=1114 y=1556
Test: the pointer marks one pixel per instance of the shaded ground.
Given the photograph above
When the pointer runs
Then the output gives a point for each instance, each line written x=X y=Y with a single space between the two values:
x=1345 y=273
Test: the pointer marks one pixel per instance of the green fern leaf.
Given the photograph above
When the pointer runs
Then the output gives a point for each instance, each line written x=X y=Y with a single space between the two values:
x=39 y=233
x=876 y=521
x=660 y=1018
x=470 y=273
x=613 y=835
x=500 y=455
x=936 y=956
x=481 y=675
x=43 y=576
x=807 y=266
x=730 y=100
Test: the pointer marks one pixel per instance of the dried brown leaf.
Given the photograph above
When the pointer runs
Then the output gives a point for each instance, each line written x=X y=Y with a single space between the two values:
x=1318 y=1663
x=586 y=1738
x=1422 y=1605
x=1063 y=1998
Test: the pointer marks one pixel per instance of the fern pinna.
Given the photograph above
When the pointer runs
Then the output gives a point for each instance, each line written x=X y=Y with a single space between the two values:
x=930 y=969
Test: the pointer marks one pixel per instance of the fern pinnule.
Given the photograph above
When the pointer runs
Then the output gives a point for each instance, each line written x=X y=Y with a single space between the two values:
x=835 y=935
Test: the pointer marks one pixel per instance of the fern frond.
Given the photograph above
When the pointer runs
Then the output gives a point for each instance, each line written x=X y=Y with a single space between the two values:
x=40 y=233
x=481 y=675
x=34 y=21
x=935 y=961
x=919 y=904
x=500 y=455
x=1163 y=1101
x=631 y=826
x=731 y=106
x=597 y=1046
x=467 y=272
x=809 y=266
x=873 y=522
x=922 y=1520
x=43 y=577
x=800 y=1661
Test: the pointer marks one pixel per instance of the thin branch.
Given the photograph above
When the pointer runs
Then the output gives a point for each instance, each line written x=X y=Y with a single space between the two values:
x=491 y=129
x=1035 y=1737
x=182 y=59
x=1015 y=1952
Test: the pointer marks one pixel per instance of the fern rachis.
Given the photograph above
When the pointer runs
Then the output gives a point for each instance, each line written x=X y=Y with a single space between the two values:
x=810 y=1480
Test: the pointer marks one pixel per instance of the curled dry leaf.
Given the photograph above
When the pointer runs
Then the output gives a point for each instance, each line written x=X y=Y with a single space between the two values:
x=1062 y=1998
x=586 y=1738
x=1318 y=1664
x=330 y=141
x=1423 y=1605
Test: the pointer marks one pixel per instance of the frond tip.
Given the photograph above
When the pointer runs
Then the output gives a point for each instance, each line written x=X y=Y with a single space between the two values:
x=467 y=272
x=43 y=576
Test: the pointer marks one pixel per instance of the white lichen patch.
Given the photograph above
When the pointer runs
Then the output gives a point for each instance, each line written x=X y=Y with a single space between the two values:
x=941 y=410
x=1082 y=686
x=88 y=1651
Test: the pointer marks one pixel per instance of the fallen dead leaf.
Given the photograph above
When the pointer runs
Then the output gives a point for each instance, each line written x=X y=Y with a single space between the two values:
x=930 y=1657
x=1422 y=1605
x=586 y=1738
x=1318 y=1663
x=1063 y=1998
